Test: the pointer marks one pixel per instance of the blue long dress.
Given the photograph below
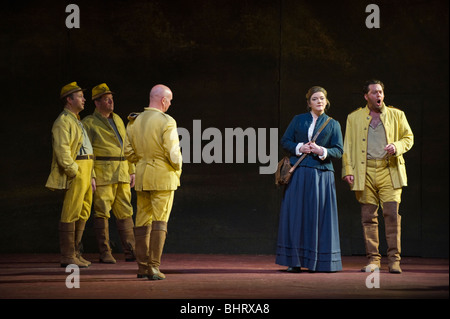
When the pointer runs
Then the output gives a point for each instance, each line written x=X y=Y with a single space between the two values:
x=308 y=234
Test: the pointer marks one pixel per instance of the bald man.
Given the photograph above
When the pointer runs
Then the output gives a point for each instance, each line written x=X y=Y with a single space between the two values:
x=152 y=144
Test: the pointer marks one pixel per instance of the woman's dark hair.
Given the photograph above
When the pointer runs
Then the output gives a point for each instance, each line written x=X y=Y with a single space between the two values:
x=314 y=90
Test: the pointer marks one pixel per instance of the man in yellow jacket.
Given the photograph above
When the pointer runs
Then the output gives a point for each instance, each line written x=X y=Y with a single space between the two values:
x=376 y=137
x=113 y=175
x=71 y=171
x=152 y=143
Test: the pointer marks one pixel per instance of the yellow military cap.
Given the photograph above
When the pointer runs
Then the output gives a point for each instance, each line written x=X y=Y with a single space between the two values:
x=69 y=89
x=99 y=90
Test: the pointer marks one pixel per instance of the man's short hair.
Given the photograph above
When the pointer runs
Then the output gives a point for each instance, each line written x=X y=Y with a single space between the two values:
x=64 y=99
x=370 y=82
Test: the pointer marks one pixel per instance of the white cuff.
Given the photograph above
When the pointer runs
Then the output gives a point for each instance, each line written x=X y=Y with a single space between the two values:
x=297 y=149
x=325 y=152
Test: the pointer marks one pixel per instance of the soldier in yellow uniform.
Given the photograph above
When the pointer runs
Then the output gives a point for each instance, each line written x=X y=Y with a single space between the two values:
x=152 y=143
x=376 y=137
x=114 y=175
x=72 y=171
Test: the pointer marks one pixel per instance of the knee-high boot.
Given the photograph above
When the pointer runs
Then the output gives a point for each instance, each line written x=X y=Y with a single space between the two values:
x=142 y=245
x=79 y=230
x=125 y=229
x=392 y=221
x=67 y=245
x=101 y=226
x=157 y=240
x=369 y=219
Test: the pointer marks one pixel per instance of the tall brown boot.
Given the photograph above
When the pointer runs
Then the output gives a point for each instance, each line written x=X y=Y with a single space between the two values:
x=157 y=240
x=142 y=238
x=392 y=221
x=79 y=230
x=67 y=245
x=369 y=219
x=101 y=226
x=125 y=228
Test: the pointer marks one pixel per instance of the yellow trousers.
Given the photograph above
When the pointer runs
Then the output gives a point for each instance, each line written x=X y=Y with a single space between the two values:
x=78 y=198
x=378 y=186
x=153 y=206
x=115 y=197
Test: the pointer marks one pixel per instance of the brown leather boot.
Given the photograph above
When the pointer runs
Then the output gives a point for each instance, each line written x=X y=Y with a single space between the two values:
x=369 y=218
x=142 y=238
x=157 y=240
x=125 y=229
x=101 y=226
x=79 y=230
x=67 y=245
x=392 y=221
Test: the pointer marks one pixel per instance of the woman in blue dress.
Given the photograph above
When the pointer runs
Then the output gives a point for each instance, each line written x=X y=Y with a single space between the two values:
x=308 y=235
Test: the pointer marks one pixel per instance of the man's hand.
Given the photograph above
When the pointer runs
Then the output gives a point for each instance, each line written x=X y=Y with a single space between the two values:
x=132 y=180
x=94 y=185
x=349 y=179
x=390 y=149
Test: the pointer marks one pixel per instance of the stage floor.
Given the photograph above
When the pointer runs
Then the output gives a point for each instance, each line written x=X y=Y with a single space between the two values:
x=192 y=276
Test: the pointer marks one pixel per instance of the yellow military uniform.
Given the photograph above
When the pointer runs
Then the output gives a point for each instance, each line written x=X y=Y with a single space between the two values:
x=112 y=179
x=71 y=171
x=111 y=167
x=398 y=132
x=152 y=143
x=378 y=178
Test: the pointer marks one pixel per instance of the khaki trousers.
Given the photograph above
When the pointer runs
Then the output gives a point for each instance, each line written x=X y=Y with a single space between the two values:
x=153 y=206
x=378 y=185
x=78 y=198
x=115 y=197
x=379 y=190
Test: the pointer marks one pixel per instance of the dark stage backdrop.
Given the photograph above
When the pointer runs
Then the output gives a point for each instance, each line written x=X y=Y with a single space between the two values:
x=231 y=64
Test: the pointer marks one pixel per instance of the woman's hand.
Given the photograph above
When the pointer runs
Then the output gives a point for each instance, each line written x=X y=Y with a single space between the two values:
x=311 y=147
x=305 y=149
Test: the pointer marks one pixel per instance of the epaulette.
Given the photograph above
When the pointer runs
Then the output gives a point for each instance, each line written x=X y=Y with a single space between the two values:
x=166 y=116
x=391 y=107
x=132 y=116
x=359 y=108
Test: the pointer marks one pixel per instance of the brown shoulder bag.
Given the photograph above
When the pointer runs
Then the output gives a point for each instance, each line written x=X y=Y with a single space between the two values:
x=285 y=169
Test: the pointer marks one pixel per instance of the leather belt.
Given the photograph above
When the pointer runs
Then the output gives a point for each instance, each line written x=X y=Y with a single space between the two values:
x=110 y=158
x=84 y=157
x=377 y=163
